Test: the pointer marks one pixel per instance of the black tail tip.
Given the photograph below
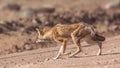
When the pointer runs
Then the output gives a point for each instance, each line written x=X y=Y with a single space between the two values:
x=99 y=37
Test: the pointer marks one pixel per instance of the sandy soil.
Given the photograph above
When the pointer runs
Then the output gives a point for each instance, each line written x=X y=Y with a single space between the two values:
x=42 y=58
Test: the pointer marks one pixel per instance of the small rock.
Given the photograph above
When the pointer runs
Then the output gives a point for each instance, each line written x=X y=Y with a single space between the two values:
x=47 y=59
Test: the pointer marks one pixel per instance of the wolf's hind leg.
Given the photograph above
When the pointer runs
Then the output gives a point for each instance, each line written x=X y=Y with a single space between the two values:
x=78 y=49
x=77 y=43
x=100 y=48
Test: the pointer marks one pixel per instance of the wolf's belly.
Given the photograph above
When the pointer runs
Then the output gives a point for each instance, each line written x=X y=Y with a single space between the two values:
x=89 y=41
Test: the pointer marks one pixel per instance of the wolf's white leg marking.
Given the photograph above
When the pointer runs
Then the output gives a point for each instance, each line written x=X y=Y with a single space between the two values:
x=100 y=49
x=59 y=52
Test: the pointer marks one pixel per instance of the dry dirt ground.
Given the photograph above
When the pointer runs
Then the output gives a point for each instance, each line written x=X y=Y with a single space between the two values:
x=42 y=58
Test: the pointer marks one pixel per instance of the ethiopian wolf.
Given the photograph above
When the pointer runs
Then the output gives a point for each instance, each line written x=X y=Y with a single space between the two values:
x=77 y=32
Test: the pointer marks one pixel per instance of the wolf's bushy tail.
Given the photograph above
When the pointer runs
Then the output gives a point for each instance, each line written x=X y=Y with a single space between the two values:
x=95 y=35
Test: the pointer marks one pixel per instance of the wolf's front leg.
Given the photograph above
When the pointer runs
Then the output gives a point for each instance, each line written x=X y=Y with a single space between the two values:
x=59 y=52
x=62 y=49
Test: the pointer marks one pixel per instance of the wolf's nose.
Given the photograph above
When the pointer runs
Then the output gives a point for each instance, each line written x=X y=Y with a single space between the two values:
x=38 y=41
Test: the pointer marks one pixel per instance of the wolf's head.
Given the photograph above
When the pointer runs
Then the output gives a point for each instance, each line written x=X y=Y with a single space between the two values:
x=43 y=35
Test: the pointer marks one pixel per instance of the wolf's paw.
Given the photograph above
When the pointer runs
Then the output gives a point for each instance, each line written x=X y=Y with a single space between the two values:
x=99 y=53
x=67 y=53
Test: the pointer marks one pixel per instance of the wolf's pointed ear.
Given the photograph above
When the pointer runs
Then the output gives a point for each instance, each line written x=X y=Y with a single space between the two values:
x=39 y=33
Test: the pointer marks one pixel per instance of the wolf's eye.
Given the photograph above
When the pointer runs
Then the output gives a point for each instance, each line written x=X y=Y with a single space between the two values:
x=41 y=33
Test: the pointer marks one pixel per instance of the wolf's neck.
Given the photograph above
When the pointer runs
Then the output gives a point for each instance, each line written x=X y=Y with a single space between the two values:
x=48 y=35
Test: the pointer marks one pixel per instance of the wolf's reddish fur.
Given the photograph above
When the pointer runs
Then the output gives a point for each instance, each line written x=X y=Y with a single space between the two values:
x=64 y=32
